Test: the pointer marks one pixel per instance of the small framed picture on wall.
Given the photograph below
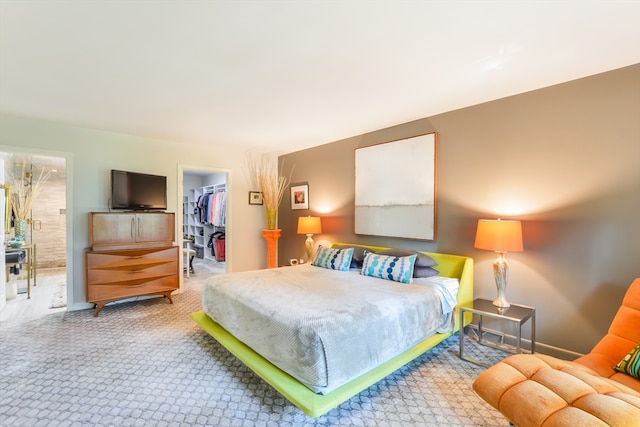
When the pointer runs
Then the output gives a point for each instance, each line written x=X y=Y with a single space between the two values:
x=255 y=198
x=300 y=196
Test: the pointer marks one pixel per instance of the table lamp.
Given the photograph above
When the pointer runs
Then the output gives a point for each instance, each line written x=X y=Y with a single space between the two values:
x=309 y=225
x=502 y=237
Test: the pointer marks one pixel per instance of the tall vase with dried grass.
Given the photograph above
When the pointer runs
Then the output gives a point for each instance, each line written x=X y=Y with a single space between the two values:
x=24 y=191
x=265 y=176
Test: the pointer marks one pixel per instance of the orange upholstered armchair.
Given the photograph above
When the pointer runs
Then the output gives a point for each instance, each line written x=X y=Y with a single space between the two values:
x=623 y=336
x=540 y=390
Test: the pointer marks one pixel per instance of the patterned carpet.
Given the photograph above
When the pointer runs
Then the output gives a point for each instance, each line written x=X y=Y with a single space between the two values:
x=147 y=364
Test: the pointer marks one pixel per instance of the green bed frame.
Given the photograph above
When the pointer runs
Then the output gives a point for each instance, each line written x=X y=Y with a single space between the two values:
x=315 y=405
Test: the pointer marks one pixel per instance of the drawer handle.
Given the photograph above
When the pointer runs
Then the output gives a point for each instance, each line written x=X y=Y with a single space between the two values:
x=136 y=286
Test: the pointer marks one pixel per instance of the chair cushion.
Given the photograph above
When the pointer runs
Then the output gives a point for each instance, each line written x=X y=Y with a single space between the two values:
x=539 y=390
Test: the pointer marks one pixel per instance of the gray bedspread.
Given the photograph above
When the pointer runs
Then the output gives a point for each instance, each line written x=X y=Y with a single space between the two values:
x=323 y=327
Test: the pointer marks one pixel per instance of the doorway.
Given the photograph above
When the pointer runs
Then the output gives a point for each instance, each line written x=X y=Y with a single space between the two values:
x=37 y=285
x=203 y=193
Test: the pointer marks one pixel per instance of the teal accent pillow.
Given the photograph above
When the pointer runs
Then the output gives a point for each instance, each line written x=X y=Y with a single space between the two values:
x=358 y=255
x=333 y=258
x=396 y=268
x=422 y=260
x=630 y=365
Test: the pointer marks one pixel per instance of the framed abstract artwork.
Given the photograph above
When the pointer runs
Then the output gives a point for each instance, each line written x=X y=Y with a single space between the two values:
x=396 y=182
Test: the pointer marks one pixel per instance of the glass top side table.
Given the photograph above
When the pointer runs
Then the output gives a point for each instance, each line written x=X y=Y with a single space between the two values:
x=517 y=314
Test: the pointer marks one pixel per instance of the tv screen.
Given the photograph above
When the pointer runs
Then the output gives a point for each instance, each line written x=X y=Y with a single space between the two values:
x=138 y=191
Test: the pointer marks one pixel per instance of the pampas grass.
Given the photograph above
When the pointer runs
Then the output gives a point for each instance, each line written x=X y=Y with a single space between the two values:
x=25 y=190
x=264 y=175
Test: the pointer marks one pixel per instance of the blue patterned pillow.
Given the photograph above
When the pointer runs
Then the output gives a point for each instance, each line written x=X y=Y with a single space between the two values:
x=399 y=269
x=333 y=258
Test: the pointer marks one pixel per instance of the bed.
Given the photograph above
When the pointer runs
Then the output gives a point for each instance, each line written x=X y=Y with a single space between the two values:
x=321 y=361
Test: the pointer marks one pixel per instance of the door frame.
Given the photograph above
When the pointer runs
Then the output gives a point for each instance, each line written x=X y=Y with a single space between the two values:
x=68 y=160
x=182 y=168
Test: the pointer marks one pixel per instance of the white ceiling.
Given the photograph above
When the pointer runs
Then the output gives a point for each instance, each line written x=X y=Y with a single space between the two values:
x=287 y=75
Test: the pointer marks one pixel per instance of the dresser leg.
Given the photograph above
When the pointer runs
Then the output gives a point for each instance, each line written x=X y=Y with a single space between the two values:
x=99 y=306
x=168 y=295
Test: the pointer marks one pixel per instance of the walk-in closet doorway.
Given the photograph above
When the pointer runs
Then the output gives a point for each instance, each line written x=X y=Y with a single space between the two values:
x=203 y=220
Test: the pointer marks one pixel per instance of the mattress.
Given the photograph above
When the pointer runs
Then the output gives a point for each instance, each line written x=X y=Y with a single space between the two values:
x=326 y=327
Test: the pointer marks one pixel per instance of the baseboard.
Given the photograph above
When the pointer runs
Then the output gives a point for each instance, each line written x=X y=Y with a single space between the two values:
x=560 y=353
x=87 y=305
x=79 y=306
x=540 y=347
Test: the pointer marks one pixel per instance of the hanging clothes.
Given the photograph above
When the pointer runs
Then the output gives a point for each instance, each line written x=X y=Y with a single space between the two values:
x=203 y=206
x=218 y=208
x=211 y=208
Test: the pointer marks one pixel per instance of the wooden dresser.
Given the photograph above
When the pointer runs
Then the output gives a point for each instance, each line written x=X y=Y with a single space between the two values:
x=131 y=254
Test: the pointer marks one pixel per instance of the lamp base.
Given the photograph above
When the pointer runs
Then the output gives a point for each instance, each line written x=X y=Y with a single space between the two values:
x=501 y=276
x=501 y=303
x=308 y=245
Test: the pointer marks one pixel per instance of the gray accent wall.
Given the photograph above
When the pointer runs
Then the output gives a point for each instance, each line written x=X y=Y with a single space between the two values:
x=564 y=159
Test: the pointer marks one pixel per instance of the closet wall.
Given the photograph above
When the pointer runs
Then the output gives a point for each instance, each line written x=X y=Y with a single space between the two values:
x=204 y=214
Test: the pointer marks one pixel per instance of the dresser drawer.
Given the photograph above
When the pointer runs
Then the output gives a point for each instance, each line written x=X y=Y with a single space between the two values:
x=103 y=291
x=104 y=275
x=124 y=260
x=124 y=273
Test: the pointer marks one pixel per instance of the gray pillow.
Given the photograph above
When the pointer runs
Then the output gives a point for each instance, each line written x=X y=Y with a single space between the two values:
x=424 y=272
x=421 y=261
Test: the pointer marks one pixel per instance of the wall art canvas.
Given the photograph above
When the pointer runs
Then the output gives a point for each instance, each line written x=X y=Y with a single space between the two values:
x=395 y=192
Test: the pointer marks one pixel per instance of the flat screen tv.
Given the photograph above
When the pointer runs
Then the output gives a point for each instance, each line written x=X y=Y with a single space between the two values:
x=138 y=191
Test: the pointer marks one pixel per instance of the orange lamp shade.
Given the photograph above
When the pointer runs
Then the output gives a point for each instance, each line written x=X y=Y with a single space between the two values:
x=309 y=225
x=499 y=235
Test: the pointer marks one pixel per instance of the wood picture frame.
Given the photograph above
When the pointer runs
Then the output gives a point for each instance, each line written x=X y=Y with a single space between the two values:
x=255 y=198
x=396 y=188
x=299 y=196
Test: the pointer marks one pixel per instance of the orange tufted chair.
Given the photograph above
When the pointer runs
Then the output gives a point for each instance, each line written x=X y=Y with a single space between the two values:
x=539 y=390
x=623 y=335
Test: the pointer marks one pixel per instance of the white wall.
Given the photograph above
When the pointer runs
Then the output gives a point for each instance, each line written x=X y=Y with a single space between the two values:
x=91 y=154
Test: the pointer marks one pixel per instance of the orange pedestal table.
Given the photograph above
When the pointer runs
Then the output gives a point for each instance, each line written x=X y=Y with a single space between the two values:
x=272 y=236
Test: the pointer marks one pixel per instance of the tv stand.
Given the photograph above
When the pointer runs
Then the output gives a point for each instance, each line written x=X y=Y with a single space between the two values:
x=131 y=254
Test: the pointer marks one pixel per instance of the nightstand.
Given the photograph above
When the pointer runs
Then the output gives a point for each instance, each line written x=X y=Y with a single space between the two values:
x=517 y=314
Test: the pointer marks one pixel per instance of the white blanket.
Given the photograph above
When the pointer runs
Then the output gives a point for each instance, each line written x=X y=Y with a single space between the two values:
x=325 y=327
